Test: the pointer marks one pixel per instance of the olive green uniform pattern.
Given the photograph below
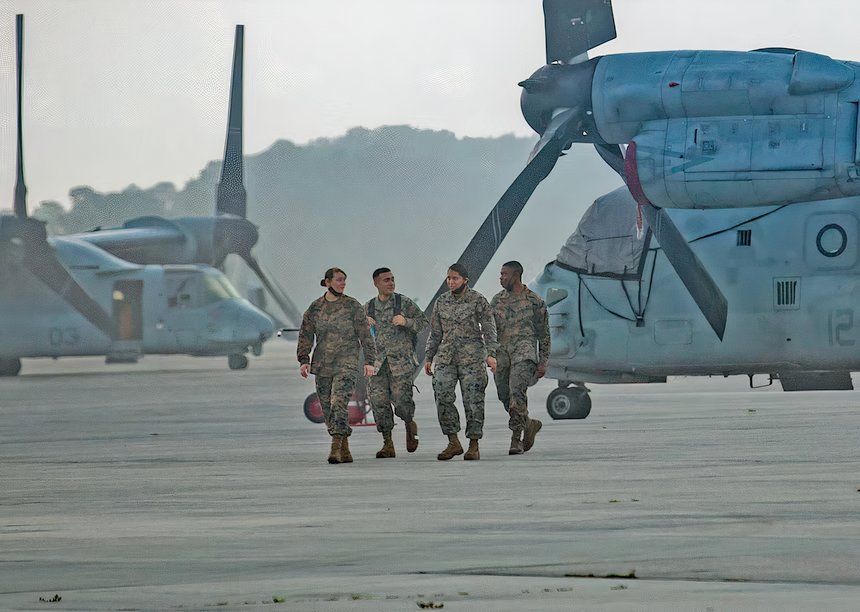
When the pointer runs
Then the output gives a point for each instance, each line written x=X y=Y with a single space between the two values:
x=338 y=332
x=396 y=361
x=334 y=393
x=522 y=323
x=462 y=336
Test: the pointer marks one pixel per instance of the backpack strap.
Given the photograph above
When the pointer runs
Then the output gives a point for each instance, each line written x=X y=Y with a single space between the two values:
x=397 y=304
x=371 y=308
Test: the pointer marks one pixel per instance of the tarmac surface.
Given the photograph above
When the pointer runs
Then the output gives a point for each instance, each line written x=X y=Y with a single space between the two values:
x=178 y=484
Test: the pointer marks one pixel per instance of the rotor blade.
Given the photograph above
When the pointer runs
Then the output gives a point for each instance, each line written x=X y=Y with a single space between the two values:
x=20 y=186
x=231 y=197
x=689 y=268
x=41 y=260
x=572 y=27
x=285 y=303
x=612 y=155
x=498 y=223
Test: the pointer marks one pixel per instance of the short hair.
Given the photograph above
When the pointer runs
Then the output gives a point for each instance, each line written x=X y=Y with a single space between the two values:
x=459 y=269
x=379 y=271
x=329 y=275
x=515 y=266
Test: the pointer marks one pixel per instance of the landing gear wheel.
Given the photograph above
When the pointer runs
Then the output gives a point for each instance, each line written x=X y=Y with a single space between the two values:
x=10 y=367
x=237 y=361
x=568 y=403
x=313 y=409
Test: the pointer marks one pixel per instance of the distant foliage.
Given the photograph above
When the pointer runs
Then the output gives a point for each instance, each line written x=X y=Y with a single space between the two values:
x=397 y=196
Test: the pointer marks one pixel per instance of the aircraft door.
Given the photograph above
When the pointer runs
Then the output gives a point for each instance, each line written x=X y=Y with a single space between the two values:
x=127 y=298
x=183 y=302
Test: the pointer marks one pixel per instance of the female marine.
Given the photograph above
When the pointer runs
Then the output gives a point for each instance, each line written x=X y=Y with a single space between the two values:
x=339 y=326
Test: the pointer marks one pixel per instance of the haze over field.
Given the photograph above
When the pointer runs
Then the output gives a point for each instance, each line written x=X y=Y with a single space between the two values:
x=398 y=196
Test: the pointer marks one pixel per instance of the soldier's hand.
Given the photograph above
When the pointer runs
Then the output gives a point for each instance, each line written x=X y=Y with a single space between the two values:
x=540 y=372
x=371 y=321
x=428 y=368
x=491 y=361
x=305 y=370
x=399 y=320
x=369 y=371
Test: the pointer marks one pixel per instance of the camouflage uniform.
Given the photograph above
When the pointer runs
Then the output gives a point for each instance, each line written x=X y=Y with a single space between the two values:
x=341 y=332
x=523 y=326
x=396 y=361
x=462 y=336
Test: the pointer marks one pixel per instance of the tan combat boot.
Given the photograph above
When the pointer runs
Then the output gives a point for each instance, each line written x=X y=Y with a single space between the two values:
x=387 y=450
x=334 y=454
x=411 y=436
x=473 y=454
x=345 y=455
x=532 y=429
x=516 y=443
x=452 y=450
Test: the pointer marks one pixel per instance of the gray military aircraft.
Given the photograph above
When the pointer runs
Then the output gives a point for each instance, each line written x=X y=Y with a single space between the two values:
x=145 y=288
x=708 y=134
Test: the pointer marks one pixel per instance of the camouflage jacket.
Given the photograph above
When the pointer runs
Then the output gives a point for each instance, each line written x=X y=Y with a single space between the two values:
x=522 y=323
x=396 y=343
x=341 y=333
x=462 y=329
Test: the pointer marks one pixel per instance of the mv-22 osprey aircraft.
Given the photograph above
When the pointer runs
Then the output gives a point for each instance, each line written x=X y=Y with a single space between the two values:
x=152 y=286
x=708 y=134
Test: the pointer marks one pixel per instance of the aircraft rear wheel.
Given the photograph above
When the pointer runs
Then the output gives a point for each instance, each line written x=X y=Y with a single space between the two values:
x=568 y=403
x=237 y=361
x=10 y=367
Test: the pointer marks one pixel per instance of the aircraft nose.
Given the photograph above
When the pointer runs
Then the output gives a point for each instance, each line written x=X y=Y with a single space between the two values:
x=261 y=323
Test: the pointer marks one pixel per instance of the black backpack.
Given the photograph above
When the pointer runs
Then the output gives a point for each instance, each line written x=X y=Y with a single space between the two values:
x=398 y=309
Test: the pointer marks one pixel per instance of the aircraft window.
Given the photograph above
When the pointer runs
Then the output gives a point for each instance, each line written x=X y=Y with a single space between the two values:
x=831 y=240
x=217 y=288
x=554 y=295
x=181 y=293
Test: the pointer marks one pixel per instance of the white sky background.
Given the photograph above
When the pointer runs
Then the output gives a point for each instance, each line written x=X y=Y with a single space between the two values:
x=121 y=91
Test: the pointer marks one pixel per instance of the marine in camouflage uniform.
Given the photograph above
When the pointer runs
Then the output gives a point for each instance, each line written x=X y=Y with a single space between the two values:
x=522 y=324
x=395 y=364
x=462 y=337
x=341 y=332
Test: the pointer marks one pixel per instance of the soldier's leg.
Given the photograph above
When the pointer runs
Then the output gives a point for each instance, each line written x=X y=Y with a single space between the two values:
x=323 y=385
x=520 y=376
x=473 y=384
x=444 y=389
x=401 y=396
x=342 y=386
x=502 y=378
x=379 y=390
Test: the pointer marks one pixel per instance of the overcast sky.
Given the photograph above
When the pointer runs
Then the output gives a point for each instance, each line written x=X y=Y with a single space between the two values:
x=121 y=91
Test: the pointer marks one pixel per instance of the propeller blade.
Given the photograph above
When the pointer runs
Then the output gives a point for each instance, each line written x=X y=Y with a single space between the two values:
x=20 y=186
x=41 y=260
x=231 y=198
x=573 y=27
x=284 y=302
x=689 y=268
x=498 y=223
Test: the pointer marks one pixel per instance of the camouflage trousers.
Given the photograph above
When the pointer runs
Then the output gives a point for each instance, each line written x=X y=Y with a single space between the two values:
x=473 y=383
x=512 y=382
x=334 y=393
x=385 y=389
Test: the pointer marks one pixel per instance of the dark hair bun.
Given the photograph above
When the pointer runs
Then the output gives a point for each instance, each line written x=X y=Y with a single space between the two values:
x=322 y=283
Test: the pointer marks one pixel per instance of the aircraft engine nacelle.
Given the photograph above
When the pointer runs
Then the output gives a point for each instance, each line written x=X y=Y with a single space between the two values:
x=714 y=129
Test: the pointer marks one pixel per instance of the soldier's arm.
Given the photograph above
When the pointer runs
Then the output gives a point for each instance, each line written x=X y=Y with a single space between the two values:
x=306 y=337
x=542 y=319
x=435 y=336
x=494 y=303
x=415 y=318
x=362 y=330
x=488 y=327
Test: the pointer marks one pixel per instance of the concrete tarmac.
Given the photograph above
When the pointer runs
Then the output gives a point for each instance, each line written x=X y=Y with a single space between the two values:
x=178 y=484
